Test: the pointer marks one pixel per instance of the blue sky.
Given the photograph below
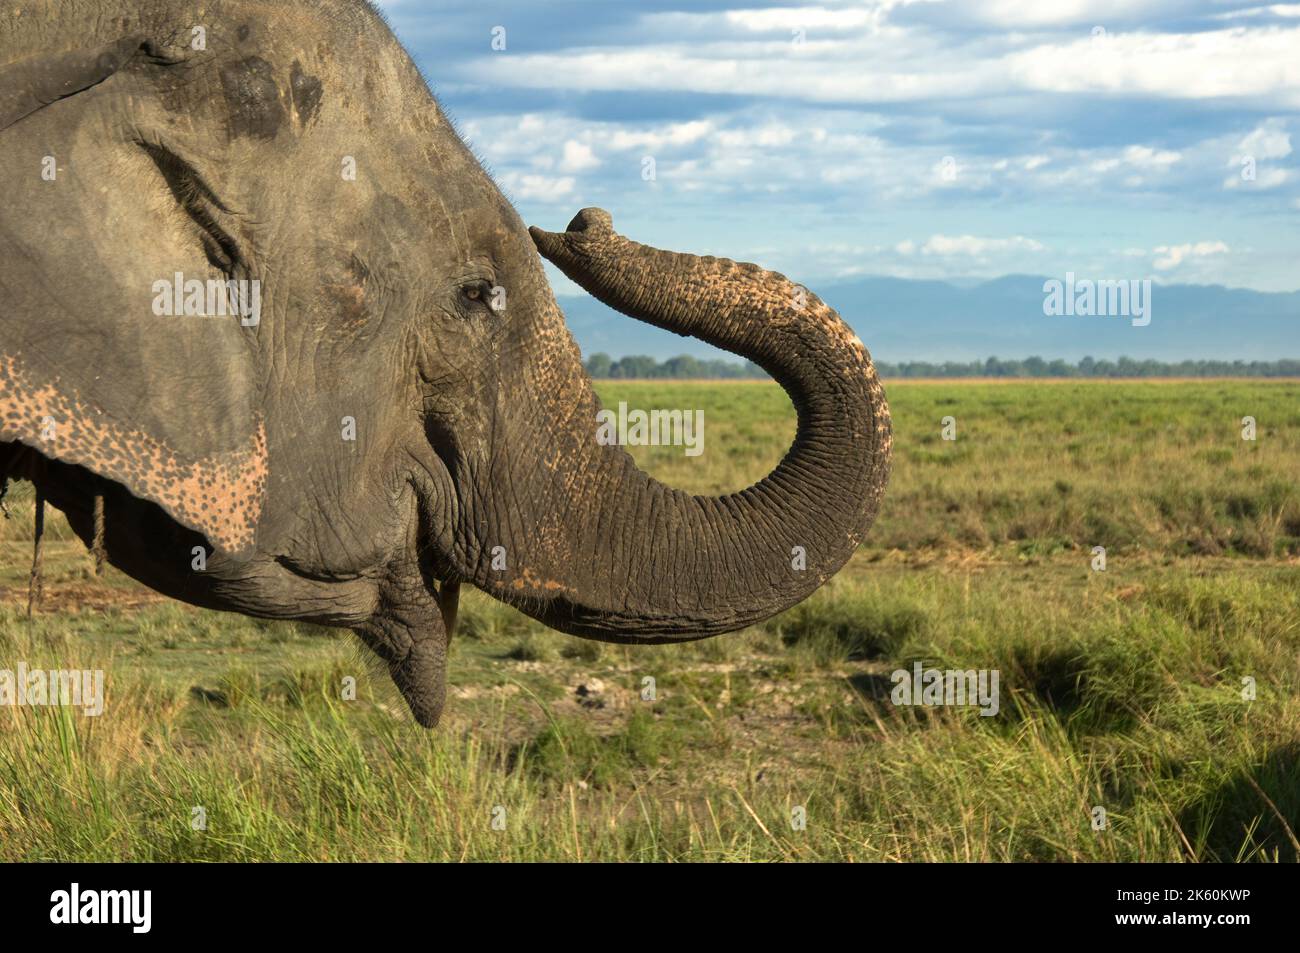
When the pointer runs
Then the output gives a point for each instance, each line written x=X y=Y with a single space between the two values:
x=914 y=139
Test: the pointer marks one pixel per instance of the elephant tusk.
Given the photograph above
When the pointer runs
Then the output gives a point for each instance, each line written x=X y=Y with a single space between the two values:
x=448 y=602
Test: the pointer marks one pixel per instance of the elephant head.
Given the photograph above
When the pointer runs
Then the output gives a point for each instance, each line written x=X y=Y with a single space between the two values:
x=394 y=406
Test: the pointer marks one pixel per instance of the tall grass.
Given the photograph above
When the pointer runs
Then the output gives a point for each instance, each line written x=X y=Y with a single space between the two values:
x=1163 y=691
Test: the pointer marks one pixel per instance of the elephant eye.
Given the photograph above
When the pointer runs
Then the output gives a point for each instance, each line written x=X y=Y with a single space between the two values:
x=478 y=294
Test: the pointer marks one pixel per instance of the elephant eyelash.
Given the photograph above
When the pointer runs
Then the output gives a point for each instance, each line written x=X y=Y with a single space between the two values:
x=201 y=204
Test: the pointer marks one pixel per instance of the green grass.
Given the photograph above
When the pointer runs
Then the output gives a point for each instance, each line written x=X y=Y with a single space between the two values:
x=1121 y=690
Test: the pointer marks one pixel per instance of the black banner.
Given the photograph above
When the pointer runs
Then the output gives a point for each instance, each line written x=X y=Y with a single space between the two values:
x=943 y=902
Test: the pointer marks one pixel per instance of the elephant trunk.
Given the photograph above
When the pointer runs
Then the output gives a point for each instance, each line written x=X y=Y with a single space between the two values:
x=637 y=561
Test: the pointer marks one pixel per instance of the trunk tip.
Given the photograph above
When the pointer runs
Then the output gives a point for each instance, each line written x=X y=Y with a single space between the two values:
x=588 y=228
x=591 y=220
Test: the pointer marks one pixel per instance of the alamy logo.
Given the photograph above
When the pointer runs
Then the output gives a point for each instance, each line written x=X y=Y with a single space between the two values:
x=211 y=298
x=936 y=686
x=77 y=688
x=134 y=907
x=657 y=428
x=1129 y=298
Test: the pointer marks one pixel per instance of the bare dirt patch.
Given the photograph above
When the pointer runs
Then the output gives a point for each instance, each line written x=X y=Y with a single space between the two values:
x=77 y=597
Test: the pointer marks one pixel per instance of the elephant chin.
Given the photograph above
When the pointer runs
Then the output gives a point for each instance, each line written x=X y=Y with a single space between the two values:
x=618 y=556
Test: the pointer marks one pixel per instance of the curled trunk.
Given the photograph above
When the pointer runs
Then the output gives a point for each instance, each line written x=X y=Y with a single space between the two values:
x=630 y=559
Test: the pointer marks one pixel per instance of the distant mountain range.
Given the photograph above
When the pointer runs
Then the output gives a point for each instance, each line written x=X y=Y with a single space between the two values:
x=906 y=320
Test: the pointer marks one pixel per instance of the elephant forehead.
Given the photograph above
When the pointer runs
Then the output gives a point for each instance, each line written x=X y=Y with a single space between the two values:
x=486 y=226
x=220 y=495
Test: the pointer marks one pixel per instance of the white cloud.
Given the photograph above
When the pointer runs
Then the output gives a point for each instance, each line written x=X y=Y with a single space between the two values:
x=1209 y=65
x=1016 y=14
x=1276 y=9
x=541 y=188
x=837 y=156
x=673 y=134
x=889 y=63
x=578 y=157
x=1146 y=158
x=1169 y=257
x=1270 y=140
x=976 y=246
x=766 y=135
x=806 y=18
x=1264 y=179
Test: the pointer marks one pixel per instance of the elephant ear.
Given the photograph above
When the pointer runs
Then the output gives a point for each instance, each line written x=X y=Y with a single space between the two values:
x=95 y=369
x=37 y=81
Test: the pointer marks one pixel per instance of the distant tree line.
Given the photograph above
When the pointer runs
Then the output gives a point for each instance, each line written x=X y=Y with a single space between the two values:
x=686 y=367
x=1091 y=367
x=682 y=367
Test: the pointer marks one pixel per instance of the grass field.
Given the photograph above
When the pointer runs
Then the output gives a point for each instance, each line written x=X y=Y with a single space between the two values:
x=1123 y=690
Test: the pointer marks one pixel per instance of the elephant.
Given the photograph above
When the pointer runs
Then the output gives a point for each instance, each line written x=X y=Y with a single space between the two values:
x=391 y=406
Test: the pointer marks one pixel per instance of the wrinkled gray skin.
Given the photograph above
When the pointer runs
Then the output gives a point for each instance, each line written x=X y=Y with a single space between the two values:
x=475 y=427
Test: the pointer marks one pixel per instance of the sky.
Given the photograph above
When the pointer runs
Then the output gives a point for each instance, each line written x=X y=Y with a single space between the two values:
x=1116 y=139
